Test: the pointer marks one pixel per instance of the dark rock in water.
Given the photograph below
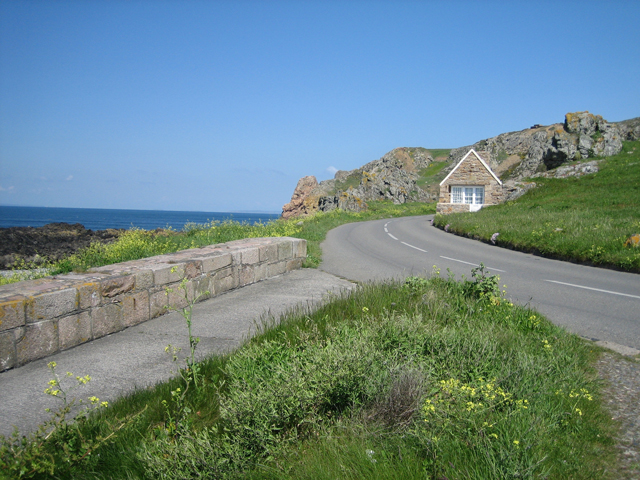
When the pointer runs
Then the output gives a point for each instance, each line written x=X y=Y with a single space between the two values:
x=54 y=241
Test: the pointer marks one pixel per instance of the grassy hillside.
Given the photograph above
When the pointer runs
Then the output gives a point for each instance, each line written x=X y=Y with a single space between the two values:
x=430 y=177
x=586 y=219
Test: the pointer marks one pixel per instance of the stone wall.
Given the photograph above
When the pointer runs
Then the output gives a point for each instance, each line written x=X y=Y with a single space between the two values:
x=447 y=208
x=44 y=316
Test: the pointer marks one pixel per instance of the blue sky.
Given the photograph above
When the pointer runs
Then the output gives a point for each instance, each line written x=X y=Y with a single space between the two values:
x=224 y=105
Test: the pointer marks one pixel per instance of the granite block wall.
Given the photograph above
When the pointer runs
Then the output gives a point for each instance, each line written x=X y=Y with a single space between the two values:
x=41 y=317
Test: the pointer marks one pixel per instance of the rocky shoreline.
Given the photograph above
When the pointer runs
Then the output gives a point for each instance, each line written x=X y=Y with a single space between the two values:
x=54 y=241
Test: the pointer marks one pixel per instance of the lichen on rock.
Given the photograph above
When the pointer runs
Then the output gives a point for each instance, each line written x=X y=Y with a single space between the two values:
x=582 y=135
x=393 y=177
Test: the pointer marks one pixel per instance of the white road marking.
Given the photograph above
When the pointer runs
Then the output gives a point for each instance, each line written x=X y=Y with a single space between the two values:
x=474 y=264
x=405 y=243
x=594 y=289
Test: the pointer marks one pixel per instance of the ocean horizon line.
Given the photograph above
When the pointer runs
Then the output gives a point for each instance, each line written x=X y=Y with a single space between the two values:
x=120 y=218
x=270 y=212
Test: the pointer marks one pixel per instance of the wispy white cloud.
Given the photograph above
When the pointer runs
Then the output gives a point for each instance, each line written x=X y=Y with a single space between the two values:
x=70 y=177
x=332 y=170
x=7 y=189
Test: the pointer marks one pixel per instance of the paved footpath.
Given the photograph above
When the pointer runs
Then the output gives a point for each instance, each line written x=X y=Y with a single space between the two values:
x=135 y=358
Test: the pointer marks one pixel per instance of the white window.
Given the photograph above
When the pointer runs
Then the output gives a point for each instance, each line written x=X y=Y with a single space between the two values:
x=467 y=195
x=456 y=194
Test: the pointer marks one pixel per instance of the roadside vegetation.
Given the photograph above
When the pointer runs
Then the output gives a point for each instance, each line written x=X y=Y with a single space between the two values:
x=135 y=244
x=427 y=378
x=587 y=219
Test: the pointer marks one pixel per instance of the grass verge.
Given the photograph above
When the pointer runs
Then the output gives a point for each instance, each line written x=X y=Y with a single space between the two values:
x=430 y=378
x=586 y=219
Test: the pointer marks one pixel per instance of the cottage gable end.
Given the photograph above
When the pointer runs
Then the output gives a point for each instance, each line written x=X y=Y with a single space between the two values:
x=467 y=158
x=469 y=186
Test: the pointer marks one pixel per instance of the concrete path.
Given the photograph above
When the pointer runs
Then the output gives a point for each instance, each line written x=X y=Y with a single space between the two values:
x=135 y=358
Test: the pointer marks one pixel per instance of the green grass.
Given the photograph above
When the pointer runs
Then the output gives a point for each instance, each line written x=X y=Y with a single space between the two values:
x=431 y=378
x=586 y=219
x=136 y=244
x=352 y=181
x=432 y=174
x=439 y=152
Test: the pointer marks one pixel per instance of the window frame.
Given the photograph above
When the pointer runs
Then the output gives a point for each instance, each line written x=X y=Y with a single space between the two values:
x=461 y=194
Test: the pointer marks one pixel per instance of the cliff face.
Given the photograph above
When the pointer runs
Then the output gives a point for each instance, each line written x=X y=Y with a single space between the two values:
x=522 y=154
x=512 y=156
x=393 y=177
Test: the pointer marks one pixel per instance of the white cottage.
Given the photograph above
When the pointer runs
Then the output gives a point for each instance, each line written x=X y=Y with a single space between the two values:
x=469 y=186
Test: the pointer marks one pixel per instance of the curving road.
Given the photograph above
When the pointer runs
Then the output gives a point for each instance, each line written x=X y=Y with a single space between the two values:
x=593 y=302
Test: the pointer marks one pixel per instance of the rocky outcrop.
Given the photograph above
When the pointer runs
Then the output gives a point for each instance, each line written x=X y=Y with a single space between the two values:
x=517 y=155
x=54 y=241
x=343 y=200
x=393 y=177
x=296 y=206
x=629 y=129
x=565 y=171
x=512 y=189
x=512 y=156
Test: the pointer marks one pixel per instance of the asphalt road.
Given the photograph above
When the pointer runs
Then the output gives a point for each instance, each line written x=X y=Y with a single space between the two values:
x=595 y=303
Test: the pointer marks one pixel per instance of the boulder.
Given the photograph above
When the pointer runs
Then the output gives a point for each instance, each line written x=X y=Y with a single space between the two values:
x=585 y=145
x=513 y=190
x=343 y=201
x=611 y=143
x=566 y=171
x=582 y=123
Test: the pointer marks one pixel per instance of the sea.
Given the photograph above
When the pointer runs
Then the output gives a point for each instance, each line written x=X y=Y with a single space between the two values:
x=101 y=218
